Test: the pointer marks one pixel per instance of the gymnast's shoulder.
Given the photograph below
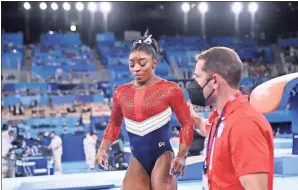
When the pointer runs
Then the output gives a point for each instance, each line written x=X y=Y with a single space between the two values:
x=172 y=85
x=123 y=87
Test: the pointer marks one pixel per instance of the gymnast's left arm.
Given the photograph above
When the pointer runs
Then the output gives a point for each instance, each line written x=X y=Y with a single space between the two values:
x=181 y=110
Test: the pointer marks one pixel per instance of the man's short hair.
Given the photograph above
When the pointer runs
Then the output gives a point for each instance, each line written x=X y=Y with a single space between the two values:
x=225 y=62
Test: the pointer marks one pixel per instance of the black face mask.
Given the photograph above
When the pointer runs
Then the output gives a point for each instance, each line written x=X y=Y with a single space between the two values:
x=196 y=94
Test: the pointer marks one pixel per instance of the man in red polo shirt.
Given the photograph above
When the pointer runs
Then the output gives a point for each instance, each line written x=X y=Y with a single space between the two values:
x=239 y=148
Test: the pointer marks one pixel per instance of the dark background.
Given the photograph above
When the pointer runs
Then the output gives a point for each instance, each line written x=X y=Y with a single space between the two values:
x=273 y=18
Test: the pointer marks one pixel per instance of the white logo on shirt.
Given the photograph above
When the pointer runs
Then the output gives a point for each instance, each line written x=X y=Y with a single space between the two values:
x=161 y=144
x=220 y=129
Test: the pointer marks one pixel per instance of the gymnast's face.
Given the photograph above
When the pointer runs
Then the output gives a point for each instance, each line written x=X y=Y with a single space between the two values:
x=141 y=66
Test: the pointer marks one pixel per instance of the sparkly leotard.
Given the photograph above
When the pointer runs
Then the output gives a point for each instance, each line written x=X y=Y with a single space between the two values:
x=147 y=113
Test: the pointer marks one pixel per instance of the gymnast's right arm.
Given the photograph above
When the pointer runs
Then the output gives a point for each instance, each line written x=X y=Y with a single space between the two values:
x=111 y=132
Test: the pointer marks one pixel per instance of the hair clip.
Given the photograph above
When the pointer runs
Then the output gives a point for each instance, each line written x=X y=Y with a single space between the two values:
x=148 y=41
x=137 y=42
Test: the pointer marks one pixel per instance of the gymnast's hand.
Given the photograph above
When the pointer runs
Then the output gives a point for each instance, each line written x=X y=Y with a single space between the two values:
x=102 y=159
x=178 y=166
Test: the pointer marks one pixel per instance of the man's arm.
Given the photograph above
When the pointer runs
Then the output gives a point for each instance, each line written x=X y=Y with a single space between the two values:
x=254 y=181
x=250 y=154
x=199 y=122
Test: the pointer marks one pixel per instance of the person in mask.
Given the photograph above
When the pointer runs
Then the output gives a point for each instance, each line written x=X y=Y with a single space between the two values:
x=56 y=147
x=239 y=140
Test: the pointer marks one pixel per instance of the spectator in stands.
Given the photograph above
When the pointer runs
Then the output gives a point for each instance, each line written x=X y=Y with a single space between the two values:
x=58 y=74
x=79 y=128
x=244 y=156
x=44 y=138
x=11 y=108
x=86 y=119
x=18 y=109
x=71 y=109
x=277 y=132
x=176 y=132
x=86 y=108
x=175 y=136
x=245 y=90
x=77 y=102
x=89 y=144
x=25 y=129
x=56 y=147
x=7 y=138
x=50 y=103
x=65 y=129
x=33 y=103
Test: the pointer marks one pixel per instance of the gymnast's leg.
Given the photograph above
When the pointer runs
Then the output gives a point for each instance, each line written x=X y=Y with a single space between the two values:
x=136 y=177
x=160 y=177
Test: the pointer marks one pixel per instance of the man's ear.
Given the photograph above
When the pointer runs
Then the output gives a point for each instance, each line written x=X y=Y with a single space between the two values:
x=216 y=79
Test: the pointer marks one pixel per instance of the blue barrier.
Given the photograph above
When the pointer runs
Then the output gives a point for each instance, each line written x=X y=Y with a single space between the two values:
x=26 y=101
x=66 y=99
x=118 y=60
x=20 y=86
x=61 y=39
x=292 y=86
x=268 y=57
x=105 y=37
x=247 y=81
x=98 y=98
x=162 y=69
x=279 y=116
x=11 y=100
x=275 y=117
x=288 y=42
x=15 y=38
x=69 y=142
x=58 y=121
x=85 y=98
x=46 y=71
x=11 y=60
x=58 y=100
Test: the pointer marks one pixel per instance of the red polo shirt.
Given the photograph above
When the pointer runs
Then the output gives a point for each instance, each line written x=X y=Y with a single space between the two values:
x=244 y=145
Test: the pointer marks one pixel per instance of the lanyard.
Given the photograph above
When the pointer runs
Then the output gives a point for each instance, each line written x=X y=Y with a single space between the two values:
x=211 y=141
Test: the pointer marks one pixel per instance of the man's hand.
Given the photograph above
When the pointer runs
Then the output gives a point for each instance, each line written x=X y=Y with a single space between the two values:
x=178 y=166
x=191 y=109
x=198 y=120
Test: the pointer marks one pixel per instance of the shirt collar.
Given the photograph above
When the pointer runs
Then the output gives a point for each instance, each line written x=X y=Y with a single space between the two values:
x=237 y=100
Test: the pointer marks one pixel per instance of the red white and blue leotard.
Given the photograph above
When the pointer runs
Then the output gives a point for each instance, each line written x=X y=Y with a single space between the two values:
x=147 y=113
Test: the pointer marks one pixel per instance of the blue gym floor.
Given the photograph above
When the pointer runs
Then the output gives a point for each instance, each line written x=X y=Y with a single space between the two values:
x=280 y=183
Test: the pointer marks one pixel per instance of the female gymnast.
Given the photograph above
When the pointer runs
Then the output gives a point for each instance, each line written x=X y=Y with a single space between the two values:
x=146 y=105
